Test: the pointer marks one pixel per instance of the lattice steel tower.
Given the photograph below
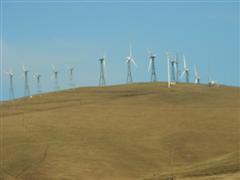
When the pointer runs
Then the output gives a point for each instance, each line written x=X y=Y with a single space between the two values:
x=11 y=90
x=56 y=86
x=152 y=66
x=55 y=77
x=177 y=67
x=129 y=72
x=38 y=76
x=102 y=81
x=26 y=85
x=70 y=69
x=173 y=68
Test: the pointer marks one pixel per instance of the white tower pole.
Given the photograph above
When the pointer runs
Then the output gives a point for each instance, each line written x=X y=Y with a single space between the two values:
x=168 y=70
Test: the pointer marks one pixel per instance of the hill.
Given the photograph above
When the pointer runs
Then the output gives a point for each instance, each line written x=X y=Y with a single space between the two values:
x=138 y=131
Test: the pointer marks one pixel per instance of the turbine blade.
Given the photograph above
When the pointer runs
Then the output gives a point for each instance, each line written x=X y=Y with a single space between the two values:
x=23 y=68
x=195 y=71
x=130 y=49
x=104 y=62
x=149 y=65
x=149 y=53
x=67 y=66
x=134 y=62
x=184 y=62
x=168 y=70
x=53 y=67
x=168 y=55
x=182 y=74
x=176 y=58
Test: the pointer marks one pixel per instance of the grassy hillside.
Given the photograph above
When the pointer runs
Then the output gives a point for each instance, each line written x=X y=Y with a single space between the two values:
x=138 y=131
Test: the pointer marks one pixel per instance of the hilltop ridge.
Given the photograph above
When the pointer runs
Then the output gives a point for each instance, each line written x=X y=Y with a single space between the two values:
x=137 y=131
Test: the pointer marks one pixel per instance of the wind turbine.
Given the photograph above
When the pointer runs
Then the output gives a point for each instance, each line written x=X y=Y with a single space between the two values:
x=70 y=69
x=38 y=76
x=102 y=81
x=55 y=77
x=177 y=66
x=130 y=60
x=196 y=75
x=151 y=66
x=173 y=63
x=168 y=69
x=26 y=85
x=185 y=70
x=11 y=90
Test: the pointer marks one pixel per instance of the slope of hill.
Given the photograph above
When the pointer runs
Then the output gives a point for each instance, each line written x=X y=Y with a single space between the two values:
x=138 y=131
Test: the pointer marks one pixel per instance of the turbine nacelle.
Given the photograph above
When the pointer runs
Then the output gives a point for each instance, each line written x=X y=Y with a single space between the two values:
x=173 y=59
x=70 y=68
x=103 y=60
x=128 y=59
x=151 y=58
x=37 y=75
x=10 y=73
x=55 y=73
x=24 y=69
x=54 y=69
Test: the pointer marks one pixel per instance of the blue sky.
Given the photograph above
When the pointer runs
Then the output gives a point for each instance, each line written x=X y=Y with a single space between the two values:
x=41 y=33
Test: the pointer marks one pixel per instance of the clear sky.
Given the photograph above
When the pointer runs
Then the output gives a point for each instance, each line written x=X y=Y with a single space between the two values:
x=41 y=33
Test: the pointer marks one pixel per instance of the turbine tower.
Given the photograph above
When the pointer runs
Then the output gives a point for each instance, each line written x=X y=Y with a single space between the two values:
x=11 y=90
x=55 y=77
x=177 y=67
x=185 y=70
x=168 y=69
x=38 y=76
x=173 y=68
x=70 y=69
x=26 y=85
x=196 y=75
x=151 y=66
x=102 y=81
x=129 y=61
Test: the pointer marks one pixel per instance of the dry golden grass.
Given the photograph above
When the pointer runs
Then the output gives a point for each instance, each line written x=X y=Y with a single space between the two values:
x=138 y=131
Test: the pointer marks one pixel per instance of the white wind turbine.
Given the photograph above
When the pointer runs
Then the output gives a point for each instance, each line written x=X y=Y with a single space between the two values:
x=11 y=89
x=26 y=85
x=55 y=77
x=177 y=67
x=168 y=69
x=70 y=69
x=129 y=61
x=151 y=66
x=173 y=62
x=37 y=76
x=185 y=70
x=102 y=80
x=196 y=75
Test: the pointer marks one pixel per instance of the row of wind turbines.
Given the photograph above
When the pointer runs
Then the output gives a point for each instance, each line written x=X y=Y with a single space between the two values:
x=172 y=65
x=174 y=73
x=37 y=76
